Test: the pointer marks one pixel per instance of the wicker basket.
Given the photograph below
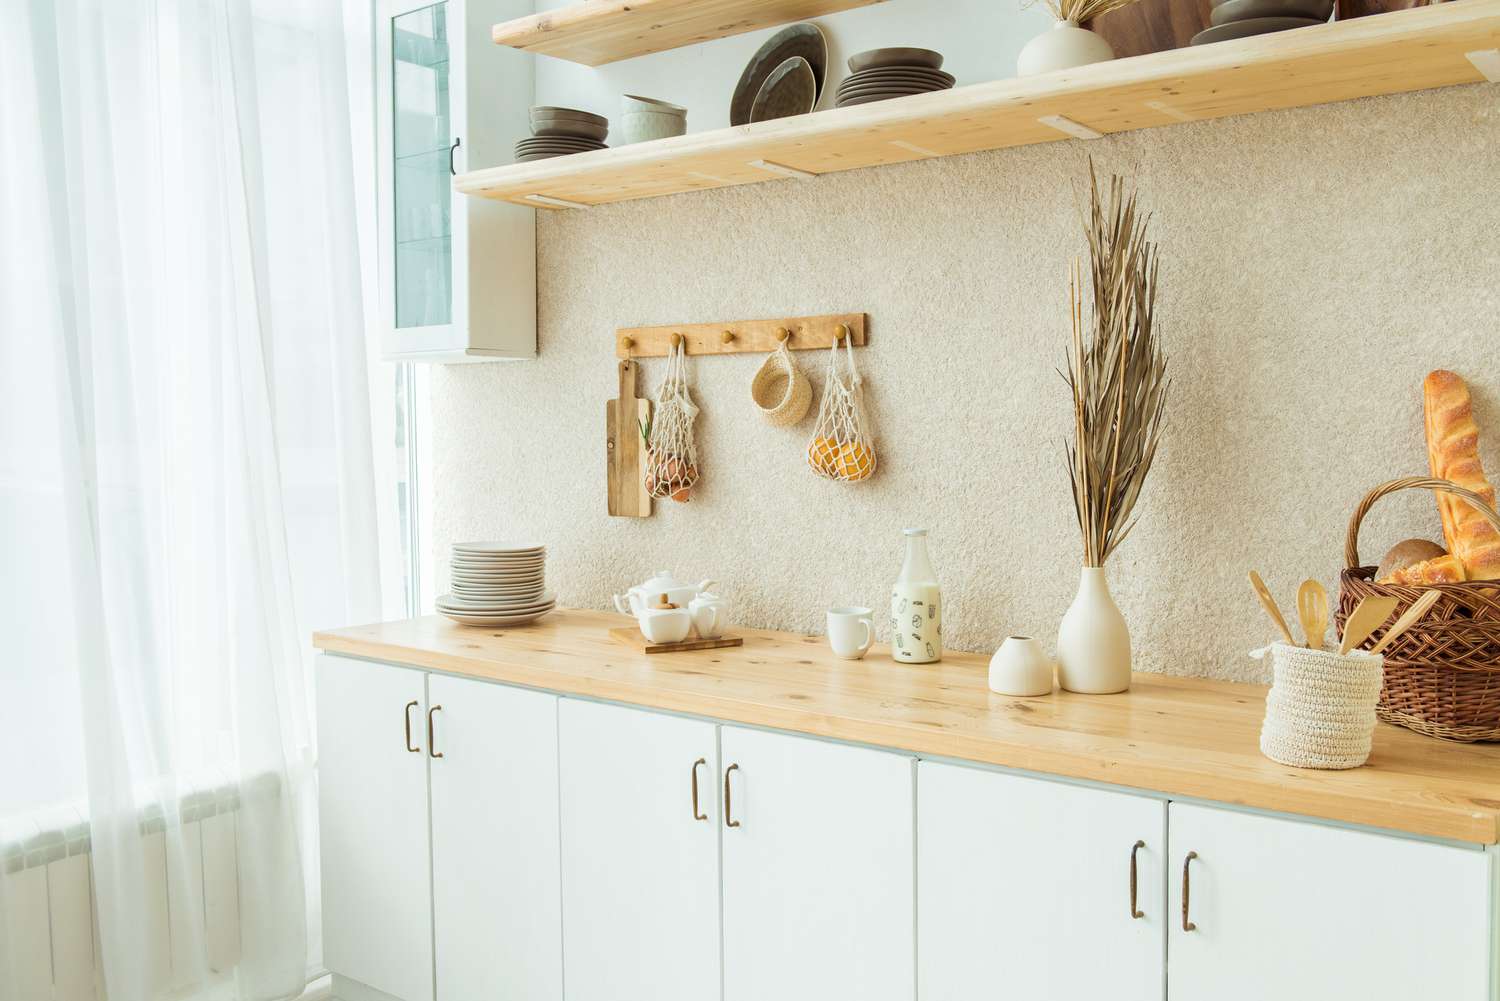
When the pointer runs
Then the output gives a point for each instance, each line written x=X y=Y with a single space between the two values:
x=1442 y=676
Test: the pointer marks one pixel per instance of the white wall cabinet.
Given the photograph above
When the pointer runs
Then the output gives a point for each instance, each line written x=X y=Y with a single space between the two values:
x=1035 y=889
x=372 y=797
x=640 y=858
x=1285 y=909
x=457 y=274
x=818 y=870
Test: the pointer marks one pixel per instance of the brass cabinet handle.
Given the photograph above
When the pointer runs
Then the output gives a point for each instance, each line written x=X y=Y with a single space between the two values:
x=696 y=765
x=431 y=744
x=1135 y=912
x=1186 y=885
x=413 y=750
x=729 y=820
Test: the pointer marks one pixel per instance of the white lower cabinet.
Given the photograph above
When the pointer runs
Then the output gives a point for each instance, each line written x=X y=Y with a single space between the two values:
x=818 y=870
x=496 y=901
x=372 y=795
x=439 y=828
x=640 y=856
x=1272 y=908
x=1034 y=889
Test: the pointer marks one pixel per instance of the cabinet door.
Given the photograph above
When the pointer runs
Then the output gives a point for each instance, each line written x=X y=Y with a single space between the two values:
x=1285 y=909
x=818 y=857
x=497 y=896
x=640 y=867
x=1019 y=878
x=372 y=795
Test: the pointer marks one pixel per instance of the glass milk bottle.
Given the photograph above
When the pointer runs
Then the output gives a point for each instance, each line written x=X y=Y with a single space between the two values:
x=916 y=606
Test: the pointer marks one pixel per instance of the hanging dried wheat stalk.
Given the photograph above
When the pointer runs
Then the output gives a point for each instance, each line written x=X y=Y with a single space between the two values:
x=1117 y=373
x=1078 y=11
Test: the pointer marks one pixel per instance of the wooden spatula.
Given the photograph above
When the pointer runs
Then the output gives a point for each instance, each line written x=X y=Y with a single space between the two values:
x=1269 y=603
x=1312 y=609
x=1364 y=620
x=1408 y=619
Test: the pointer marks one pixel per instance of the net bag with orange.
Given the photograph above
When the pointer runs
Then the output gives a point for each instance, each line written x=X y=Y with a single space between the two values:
x=841 y=448
x=671 y=456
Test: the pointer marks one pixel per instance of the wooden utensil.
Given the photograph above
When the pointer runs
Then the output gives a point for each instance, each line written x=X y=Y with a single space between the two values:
x=1408 y=619
x=1269 y=604
x=1312 y=610
x=1365 y=619
x=623 y=419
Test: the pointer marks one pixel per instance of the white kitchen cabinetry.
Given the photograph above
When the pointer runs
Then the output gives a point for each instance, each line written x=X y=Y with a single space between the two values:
x=1035 y=889
x=818 y=870
x=439 y=824
x=640 y=857
x=457 y=274
x=372 y=795
x=1286 y=909
x=495 y=870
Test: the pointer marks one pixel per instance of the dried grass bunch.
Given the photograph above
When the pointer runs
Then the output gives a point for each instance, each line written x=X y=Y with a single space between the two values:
x=1079 y=11
x=1117 y=373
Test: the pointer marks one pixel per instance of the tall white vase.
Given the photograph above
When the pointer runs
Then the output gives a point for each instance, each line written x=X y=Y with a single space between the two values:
x=1065 y=46
x=1093 y=642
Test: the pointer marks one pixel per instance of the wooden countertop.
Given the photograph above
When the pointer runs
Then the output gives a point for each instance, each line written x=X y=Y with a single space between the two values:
x=1179 y=736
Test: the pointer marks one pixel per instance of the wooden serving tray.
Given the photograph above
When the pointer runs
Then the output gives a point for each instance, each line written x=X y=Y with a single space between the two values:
x=631 y=637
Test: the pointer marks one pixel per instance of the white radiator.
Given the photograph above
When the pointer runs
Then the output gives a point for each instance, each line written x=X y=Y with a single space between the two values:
x=48 y=895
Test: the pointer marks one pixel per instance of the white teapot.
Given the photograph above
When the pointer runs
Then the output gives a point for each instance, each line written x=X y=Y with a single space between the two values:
x=678 y=592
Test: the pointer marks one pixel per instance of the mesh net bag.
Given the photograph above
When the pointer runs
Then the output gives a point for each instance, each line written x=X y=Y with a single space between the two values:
x=671 y=457
x=841 y=448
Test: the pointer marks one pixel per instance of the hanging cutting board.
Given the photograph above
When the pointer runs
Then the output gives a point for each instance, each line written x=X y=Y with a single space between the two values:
x=627 y=453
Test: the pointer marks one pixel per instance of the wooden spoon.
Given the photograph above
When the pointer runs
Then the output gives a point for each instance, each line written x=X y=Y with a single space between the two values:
x=1269 y=604
x=1365 y=619
x=1408 y=619
x=1312 y=609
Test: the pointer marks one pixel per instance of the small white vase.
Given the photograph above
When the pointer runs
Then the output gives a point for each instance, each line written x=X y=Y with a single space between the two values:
x=1021 y=667
x=1093 y=642
x=1065 y=46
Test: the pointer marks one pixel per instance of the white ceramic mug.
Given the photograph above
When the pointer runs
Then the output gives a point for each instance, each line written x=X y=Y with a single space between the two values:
x=851 y=631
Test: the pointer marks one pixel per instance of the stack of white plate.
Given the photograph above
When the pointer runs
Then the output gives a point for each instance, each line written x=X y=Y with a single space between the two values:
x=497 y=584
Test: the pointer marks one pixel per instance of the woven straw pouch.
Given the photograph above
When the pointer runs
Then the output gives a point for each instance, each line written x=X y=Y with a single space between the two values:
x=1320 y=712
x=781 y=392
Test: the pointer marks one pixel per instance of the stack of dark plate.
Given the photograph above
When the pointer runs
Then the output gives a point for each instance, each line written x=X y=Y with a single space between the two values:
x=1243 y=18
x=881 y=74
x=560 y=131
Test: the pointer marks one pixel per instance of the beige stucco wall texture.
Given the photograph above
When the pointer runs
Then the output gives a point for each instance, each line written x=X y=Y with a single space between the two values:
x=1315 y=265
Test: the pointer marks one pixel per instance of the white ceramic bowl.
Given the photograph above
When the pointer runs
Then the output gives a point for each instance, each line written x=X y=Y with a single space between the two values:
x=630 y=103
x=643 y=126
x=665 y=625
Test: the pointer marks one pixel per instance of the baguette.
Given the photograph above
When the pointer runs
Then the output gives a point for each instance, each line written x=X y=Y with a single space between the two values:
x=1443 y=569
x=1453 y=453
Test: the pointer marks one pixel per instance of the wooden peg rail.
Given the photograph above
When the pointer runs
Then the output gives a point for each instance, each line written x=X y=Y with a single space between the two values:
x=802 y=333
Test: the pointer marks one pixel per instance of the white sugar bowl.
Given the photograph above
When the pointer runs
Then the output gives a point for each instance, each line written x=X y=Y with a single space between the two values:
x=1021 y=667
x=710 y=615
x=665 y=625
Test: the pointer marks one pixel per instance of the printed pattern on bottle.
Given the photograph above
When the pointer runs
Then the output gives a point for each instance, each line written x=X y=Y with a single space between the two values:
x=916 y=628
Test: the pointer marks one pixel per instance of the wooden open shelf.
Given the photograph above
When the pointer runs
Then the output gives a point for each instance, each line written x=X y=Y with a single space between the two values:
x=1415 y=49
x=596 y=32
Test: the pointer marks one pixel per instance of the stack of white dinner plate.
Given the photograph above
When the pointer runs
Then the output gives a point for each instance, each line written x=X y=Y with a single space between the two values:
x=497 y=584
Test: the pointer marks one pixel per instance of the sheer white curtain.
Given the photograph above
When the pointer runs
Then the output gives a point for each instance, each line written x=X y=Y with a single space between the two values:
x=186 y=471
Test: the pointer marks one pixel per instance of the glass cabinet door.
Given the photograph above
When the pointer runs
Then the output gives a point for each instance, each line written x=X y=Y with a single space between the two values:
x=422 y=137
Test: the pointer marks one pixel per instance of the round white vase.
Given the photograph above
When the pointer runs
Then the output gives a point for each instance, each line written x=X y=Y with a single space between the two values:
x=1021 y=667
x=1093 y=642
x=1065 y=46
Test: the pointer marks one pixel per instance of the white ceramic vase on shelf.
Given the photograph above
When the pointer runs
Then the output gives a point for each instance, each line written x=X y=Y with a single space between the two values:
x=1093 y=642
x=1065 y=46
x=1021 y=667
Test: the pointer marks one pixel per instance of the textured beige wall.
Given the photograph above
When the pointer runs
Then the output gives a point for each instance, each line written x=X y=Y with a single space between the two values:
x=1315 y=265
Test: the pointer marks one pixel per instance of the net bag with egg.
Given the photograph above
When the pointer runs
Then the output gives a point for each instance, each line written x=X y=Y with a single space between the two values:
x=671 y=456
x=841 y=448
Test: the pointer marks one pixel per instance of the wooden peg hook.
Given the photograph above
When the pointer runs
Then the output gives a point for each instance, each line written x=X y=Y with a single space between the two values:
x=727 y=337
x=840 y=332
x=783 y=335
x=676 y=341
x=627 y=343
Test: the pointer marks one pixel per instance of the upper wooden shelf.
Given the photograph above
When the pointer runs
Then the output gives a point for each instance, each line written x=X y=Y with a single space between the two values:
x=1414 y=49
x=1180 y=737
x=596 y=32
